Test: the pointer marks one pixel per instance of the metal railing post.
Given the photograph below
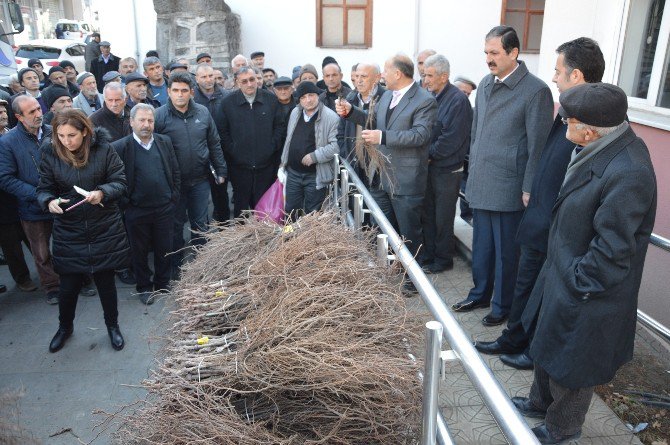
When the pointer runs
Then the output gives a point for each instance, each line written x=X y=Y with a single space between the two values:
x=431 y=382
x=344 y=193
x=383 y=250
x=358 y=211
x=336 y=162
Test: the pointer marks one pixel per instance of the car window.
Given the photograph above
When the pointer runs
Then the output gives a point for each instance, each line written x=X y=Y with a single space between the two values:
x=38 y=52
x=76 y=50
x=85 y=27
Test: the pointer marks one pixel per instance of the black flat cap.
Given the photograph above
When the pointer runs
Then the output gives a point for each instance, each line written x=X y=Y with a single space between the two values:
x=597 y=104
x=306 y=87
x=201 y=56
x=283 y=81
x=136 y=77
x=257 y=54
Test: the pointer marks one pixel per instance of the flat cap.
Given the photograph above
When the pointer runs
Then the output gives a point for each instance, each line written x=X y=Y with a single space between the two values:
x=34 y=61
x=283 y=81
x=105 y=43
x=136 y=77
x=467 y=81
x=257 y=54
x=201 y=56
x=597 y=104
x=306 y=87
x=110 y=75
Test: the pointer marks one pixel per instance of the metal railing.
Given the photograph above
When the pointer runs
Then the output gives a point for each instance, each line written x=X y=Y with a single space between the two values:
x=498 y=403
x=659 y=241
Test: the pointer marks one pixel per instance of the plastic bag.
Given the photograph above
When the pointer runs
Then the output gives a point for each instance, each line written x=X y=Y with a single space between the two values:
x=271 y=204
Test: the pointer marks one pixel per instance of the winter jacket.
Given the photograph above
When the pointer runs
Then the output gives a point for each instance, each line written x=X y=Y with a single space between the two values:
x=116 y=126
x=251 y=135
x=195 y=140
x=19 y=170
x=99 y=68
x=81 y=103
x=325 y=132
x=88 y=238
x=213 y=104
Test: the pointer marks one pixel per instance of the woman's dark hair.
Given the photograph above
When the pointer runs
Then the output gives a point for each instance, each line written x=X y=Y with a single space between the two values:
x=585 y=55
x=508 y=37
x=78 y=120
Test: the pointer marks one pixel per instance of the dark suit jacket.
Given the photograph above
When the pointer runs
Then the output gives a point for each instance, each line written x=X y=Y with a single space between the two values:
x=598 y=240
x=405 y=139
x=99 y=68
x=125 y=147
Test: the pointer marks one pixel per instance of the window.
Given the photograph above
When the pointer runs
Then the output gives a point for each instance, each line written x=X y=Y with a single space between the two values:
x=644 y=71
x=526 y=17
x=75 y=50
x=344 y=23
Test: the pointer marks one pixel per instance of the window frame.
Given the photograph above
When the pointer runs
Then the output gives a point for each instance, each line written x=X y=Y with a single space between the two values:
x=644 y=110
x=526 y=25
x=345 y=7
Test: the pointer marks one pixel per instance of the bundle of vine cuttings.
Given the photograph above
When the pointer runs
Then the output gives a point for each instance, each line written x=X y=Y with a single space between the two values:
x=283 y=335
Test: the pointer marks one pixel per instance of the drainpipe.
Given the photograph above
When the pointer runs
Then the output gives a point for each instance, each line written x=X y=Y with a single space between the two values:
x=137 y=35
x=417 y=22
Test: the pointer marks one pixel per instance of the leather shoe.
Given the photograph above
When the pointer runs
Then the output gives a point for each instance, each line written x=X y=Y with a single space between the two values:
x=526 y=408
x=518 y=361
x=437 y=267
x=545 y=437
x=468 y=305
x=126 y=276
x=492 y=320
x=116 y=337
x=494 y=348
x=59 y=339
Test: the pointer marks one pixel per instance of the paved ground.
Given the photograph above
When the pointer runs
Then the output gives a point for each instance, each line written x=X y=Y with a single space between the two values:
x=62 y=390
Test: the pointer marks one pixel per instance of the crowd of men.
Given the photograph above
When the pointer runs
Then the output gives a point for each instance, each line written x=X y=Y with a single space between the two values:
x=558 y=245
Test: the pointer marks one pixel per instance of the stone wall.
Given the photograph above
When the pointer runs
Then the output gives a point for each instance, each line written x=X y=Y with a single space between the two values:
x=186 y=28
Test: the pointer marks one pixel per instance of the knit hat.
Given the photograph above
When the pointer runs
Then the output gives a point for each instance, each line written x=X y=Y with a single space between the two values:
x=82 y=77
x=66 y=63
x=56 y=69
x=328 y=60
x=34 y=61
x=306 y=87
x=296 y=72
x=257 y=54
x=53 y=93
x=200 y=56
x=308 y=68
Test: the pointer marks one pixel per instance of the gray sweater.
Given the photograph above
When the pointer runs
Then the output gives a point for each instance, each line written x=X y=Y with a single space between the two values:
x=511 y=124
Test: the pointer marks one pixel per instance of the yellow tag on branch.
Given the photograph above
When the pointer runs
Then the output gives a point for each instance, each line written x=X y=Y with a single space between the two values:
x=288 y=229
x=218 y=293
x=203 y=340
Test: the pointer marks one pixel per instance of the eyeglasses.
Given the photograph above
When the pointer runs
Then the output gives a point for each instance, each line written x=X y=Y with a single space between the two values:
x=246 y=81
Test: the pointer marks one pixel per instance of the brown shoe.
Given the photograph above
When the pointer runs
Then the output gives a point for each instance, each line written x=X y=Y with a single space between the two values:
x=27 y=286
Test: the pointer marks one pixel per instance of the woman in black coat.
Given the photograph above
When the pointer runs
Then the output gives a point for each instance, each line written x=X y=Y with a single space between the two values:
x=88 y=238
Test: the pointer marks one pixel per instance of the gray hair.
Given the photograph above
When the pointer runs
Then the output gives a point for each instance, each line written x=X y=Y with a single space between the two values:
x=203 y=66
x=141 y=106
x=600 y=131
x=375 y=67
x=439 y=62
x=151 y=61
x=426 y=52
x=239 y=56
x=128 y=59
x=14 y=78
x=18 y=100
x=244 y=70
x=114 y=86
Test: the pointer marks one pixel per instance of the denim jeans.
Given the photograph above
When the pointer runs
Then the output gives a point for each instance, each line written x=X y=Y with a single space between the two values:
x=194 y=200
x=302 y=195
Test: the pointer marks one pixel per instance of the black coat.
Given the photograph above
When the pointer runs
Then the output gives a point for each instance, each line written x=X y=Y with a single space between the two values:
x=451 y=129
x=534 y=227
x=125 y=147
x=99 y=68
x=589 y=283
x=251 y=136
x=88 y=238
x=117 y=126
x=213 y=104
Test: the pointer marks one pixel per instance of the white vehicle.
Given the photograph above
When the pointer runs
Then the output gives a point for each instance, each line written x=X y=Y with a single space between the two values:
x=72 y=30
x=51 y=52
x=8 y=63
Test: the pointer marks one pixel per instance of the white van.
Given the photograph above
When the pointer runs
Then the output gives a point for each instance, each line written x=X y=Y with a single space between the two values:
x=72 y=30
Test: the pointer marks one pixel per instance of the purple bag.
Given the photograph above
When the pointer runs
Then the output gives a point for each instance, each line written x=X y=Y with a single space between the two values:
x=271 y=204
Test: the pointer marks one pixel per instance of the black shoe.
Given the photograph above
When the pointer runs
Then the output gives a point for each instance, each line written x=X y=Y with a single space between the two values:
x=494 y=348
x=147 y=298
x=492 y=320
x=88 y=290
x=59 y=339
x=438 y=267
x=467 y=305
x=424 y=261
x=545 y=437
x=3 y=288
x=52 y=297
x=126 y=276
x=116 y=337
x=526 y=408
x=518 y=361
x=408 y=289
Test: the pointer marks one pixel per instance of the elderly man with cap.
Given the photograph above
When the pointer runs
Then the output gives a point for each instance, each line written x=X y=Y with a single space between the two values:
x=600 y=230
x=105 y=63
x=465 y=85
x=137 y=89
x=283 y=89
x=258 y=59
x=203 y=58
x=311 y=145
x=70 y=71
x=57 y=98
x=89 y=99
x=36 y=64
x=92 y=50
x=57 y=76
x=111 y=76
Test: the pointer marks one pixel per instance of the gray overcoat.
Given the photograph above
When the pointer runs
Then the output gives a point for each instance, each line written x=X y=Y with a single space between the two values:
x=588 y=286
x=511 y=124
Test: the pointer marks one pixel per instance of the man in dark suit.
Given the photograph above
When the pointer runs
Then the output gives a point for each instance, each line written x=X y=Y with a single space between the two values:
x=405 y=115
x=579 y=61
x=600 y=230
x=153 y=192
x=105 y=63
x=512 y=118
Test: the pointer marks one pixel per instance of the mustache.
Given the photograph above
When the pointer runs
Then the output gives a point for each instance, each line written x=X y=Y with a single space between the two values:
x=492 y=64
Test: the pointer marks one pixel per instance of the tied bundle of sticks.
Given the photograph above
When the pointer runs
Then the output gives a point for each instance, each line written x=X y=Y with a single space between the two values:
x=284 y=335
x=370 y=159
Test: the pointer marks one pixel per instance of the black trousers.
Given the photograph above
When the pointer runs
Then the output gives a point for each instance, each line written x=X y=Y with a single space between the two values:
x=70 y=285
x=514 y=335
x=439 y=211
x=404 y=212
x=566 y=408
x=302 y=195
x=150 y=228
x=11 y=236
x=220 y=200
x=249 y=185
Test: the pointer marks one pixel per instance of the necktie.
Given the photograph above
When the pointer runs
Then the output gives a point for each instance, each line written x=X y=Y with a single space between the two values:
x=395 y=100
